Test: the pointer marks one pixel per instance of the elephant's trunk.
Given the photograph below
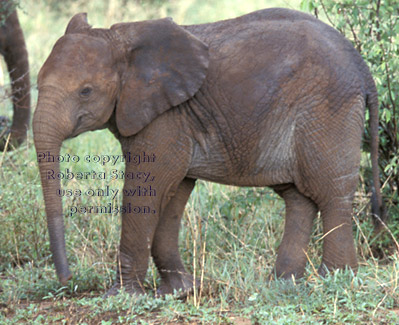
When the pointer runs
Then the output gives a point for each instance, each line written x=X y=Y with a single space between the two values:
x=48 y=137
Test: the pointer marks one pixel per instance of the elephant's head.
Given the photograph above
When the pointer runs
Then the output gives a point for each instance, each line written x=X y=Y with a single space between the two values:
x=132 y=72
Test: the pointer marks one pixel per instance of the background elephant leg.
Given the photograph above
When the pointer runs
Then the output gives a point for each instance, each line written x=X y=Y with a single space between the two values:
x=165 y=250
x=338 y=246
x=16 y=56
x=299 y=215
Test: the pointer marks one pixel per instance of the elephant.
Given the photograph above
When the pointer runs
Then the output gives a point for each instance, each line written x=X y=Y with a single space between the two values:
x=273 y=98
x=13 y=49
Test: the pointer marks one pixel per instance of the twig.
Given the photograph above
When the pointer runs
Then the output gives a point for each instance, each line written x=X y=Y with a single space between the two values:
x=325 y=12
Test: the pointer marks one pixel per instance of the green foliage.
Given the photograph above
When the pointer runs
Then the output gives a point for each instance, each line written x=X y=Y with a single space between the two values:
x=373 y=27
x=64 y=6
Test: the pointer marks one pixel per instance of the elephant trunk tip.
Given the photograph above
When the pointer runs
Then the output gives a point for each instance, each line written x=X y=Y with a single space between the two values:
x=64 y=277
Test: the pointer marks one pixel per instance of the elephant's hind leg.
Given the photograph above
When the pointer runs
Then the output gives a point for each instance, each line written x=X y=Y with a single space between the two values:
x=329 y=158
x=338 y=246
x=165 y=250
x=299 y=216
x=332 y=187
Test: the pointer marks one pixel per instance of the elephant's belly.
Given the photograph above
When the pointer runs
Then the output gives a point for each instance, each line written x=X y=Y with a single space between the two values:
x=260 y=180
x=268 y=162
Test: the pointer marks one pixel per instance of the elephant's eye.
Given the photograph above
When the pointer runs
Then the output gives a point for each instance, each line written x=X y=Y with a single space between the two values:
x=85 y=92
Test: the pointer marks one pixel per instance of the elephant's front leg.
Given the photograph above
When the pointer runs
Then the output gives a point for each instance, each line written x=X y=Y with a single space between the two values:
x=165 y=250
x=139 y=222
x=148 y=189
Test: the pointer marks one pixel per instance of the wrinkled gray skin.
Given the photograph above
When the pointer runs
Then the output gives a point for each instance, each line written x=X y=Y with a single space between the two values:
x=13 y=49
x=274 y=98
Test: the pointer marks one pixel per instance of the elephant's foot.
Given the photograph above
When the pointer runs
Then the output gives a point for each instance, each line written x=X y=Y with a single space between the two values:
x=289 y=275
x=134 y=290
x=288 y=266
x=181 y=283
x=16 y=138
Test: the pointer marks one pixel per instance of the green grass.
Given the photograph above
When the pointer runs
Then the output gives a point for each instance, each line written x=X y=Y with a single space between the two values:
x=228 y=240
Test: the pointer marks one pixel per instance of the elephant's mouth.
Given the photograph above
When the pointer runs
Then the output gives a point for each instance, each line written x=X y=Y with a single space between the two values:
x=86 y=122
x=75 y=132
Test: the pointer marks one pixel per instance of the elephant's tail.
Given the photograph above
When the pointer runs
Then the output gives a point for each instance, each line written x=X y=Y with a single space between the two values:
x=377 y=204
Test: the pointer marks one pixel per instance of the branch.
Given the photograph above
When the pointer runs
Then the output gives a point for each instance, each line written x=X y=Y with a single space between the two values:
x=325 y=12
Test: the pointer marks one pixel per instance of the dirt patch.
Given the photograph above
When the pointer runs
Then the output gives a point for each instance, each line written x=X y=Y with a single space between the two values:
x=70 y=312
x=55 y=312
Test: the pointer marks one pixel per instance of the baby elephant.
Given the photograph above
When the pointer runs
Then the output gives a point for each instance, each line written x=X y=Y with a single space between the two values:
x=273 y=98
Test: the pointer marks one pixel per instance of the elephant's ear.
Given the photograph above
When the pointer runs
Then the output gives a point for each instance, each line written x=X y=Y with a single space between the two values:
x=166 y=65
x=78 y=24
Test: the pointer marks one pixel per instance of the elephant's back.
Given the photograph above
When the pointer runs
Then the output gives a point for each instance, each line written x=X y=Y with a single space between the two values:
x=270 y=51
x=278 y=32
